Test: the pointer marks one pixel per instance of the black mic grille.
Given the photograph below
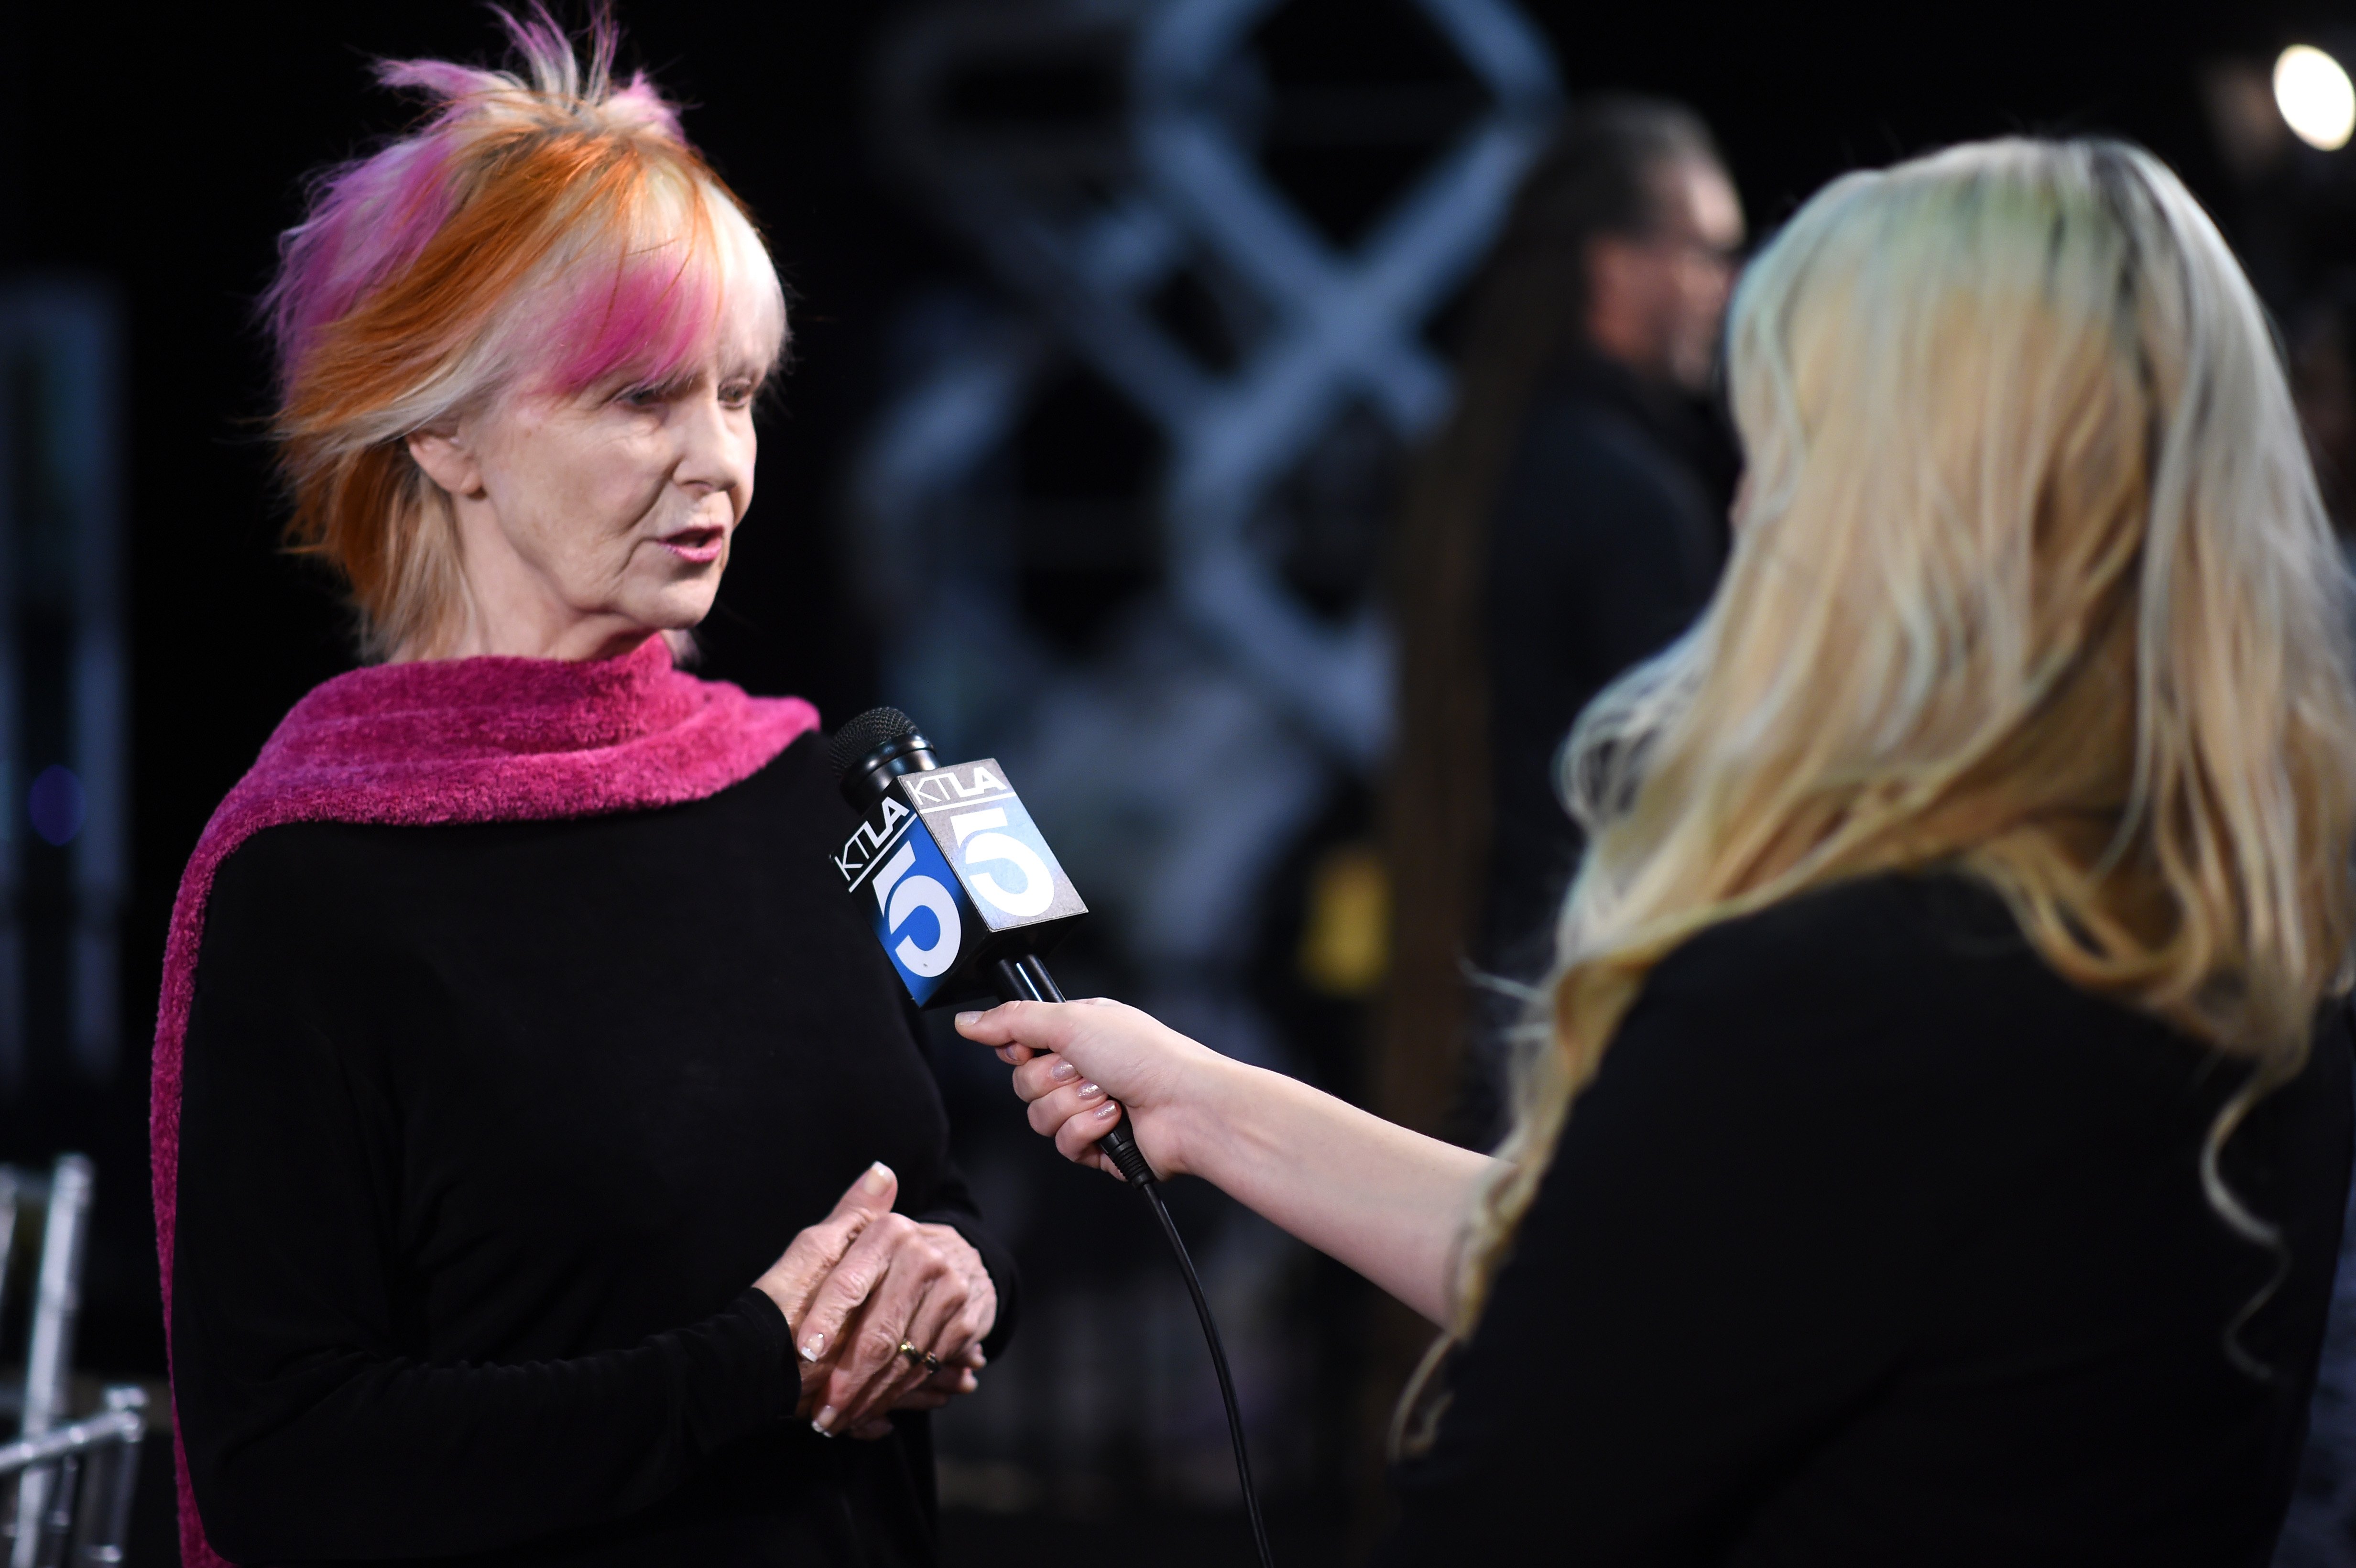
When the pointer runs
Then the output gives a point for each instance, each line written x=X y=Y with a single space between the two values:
x=858 y=738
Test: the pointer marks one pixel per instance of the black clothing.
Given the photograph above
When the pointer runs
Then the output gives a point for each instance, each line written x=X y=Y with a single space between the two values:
x=1605 y=541
x=1874 y=1242
x=487 y=1130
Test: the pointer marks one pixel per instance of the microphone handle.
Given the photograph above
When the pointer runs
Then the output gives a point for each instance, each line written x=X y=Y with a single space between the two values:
x=1026 y=980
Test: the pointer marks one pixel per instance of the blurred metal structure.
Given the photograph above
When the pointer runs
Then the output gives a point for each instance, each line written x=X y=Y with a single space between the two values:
x=85 y=1520
x=64 y=849
x=1111 y=165
x=74 y=1481
x=1085 y=232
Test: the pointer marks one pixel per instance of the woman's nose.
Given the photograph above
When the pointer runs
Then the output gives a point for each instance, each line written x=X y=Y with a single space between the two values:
x=715 y=450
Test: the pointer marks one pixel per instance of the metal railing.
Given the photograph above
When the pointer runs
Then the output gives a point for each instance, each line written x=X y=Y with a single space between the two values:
x=80 y=1514
x=74 y=1480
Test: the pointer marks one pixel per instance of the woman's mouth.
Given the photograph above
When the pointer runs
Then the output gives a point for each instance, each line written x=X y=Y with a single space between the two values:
x=702 y=544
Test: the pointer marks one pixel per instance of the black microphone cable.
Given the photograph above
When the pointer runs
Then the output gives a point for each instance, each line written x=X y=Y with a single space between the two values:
x=1026 y=980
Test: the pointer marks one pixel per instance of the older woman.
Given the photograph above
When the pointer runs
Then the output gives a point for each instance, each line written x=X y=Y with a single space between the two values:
x=1935 y=1147
x=512 y=1025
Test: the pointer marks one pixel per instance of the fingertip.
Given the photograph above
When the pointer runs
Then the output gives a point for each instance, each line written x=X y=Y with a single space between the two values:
x=879 y=1179
x=966 y=1021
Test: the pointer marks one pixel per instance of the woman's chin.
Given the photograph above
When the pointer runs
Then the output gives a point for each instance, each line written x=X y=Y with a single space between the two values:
x=676 y=606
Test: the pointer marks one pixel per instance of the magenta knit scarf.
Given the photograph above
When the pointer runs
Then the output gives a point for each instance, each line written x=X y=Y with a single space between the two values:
x=479 y=740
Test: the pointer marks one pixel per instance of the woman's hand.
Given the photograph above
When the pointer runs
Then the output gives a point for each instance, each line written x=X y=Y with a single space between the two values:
x=906 y=1282
x=793 y=1280
x=901 y=1283
x=1073 y=1059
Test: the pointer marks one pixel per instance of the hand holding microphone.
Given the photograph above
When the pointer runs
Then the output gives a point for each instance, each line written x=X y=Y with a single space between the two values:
x=1078 y=1065
x=955 y=878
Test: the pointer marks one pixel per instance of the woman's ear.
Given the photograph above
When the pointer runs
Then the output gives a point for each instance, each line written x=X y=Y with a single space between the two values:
x=448 y=460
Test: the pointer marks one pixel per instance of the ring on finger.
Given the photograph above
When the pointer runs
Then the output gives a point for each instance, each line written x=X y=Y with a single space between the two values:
x=915 y=1357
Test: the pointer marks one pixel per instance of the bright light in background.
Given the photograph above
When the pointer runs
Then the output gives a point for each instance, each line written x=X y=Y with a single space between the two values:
x=2317 y=99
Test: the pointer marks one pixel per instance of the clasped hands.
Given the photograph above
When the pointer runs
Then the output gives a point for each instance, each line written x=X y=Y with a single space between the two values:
x=862 y=1282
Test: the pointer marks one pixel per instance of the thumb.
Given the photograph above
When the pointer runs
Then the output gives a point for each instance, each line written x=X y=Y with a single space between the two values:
x=871 y=1196
x=1042 y=1027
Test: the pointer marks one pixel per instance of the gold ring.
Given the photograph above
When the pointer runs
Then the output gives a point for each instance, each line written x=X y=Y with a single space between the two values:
x=915 y=1357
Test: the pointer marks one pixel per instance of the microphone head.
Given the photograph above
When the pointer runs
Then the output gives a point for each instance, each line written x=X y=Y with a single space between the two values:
x=875 y=748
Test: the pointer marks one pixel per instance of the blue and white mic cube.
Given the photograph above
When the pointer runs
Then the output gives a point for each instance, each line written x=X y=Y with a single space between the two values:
x=953 y=876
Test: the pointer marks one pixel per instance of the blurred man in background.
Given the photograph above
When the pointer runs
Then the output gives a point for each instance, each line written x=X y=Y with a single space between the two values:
x=1570 y=522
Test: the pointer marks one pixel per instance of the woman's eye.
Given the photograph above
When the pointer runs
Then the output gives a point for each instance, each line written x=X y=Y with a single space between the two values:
x=736 y=394
x=642 y=397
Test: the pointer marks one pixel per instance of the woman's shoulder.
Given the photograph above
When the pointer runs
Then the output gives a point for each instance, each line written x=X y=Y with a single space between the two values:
x=792 y=796
x=1908 y=1015
x=1915 y=991
x=295 y=899
x=1872 y=946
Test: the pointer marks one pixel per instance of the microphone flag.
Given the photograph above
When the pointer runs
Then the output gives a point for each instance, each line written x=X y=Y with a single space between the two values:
x=953 y=875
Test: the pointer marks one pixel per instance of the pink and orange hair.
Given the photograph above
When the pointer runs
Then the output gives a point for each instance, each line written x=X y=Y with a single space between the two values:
x=547 y=231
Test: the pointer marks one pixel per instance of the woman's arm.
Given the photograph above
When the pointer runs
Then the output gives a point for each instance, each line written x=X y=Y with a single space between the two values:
x=1388 y=1202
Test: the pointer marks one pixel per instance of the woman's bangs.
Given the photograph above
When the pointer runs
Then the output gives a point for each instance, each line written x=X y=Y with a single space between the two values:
x=655 y=309
x=648 y=315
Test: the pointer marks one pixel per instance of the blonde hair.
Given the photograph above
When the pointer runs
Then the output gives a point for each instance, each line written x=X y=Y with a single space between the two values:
x=2031 y=582
x=554 y=230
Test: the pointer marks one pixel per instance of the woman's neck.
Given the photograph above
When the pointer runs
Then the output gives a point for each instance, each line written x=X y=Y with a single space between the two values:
x=528 y=630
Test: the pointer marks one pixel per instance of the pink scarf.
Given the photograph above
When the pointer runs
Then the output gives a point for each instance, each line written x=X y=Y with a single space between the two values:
x=480 y=739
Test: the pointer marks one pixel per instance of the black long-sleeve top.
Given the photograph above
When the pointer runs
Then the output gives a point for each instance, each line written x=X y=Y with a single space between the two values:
x=486 y=1131
x=1874 y=1243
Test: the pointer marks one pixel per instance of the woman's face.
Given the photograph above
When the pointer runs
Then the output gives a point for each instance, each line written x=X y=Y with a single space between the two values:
x=587 y=522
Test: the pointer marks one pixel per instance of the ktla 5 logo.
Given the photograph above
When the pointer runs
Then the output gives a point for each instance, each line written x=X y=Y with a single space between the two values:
x=910 y=880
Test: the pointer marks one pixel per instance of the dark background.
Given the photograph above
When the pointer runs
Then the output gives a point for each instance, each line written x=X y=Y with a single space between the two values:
x=161 y=151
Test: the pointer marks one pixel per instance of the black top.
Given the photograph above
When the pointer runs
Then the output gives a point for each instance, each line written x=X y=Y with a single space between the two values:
x=1875 y=1243
x=1605 y=541
x=487 y=1131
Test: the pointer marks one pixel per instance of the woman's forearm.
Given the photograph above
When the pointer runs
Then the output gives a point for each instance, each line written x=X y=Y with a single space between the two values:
x=1388 y=1202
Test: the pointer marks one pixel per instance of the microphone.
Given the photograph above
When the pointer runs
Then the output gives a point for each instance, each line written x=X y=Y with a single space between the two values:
x=967 y=899
x=955 y=878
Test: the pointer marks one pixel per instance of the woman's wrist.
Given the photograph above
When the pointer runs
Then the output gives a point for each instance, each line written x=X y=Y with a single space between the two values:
x=1202 y=1117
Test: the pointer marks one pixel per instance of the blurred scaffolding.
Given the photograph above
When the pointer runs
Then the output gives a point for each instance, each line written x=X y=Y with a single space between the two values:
x=1122 y=520
x=64 y=852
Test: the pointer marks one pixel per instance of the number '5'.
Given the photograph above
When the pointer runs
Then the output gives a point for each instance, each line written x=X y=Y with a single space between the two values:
x=900 y=895
x=977 y=846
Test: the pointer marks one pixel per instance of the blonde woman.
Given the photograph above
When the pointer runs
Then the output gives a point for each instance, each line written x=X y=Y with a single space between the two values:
x=1933 y=1147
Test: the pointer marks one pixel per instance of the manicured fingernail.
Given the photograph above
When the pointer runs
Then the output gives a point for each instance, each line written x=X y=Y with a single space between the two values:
x=1091 y=1091
x=878 y=1177
x=1109 y=1110
x=813 y=1346
x=824 y=1416
x=966 y=1021
x=1063 y=1072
